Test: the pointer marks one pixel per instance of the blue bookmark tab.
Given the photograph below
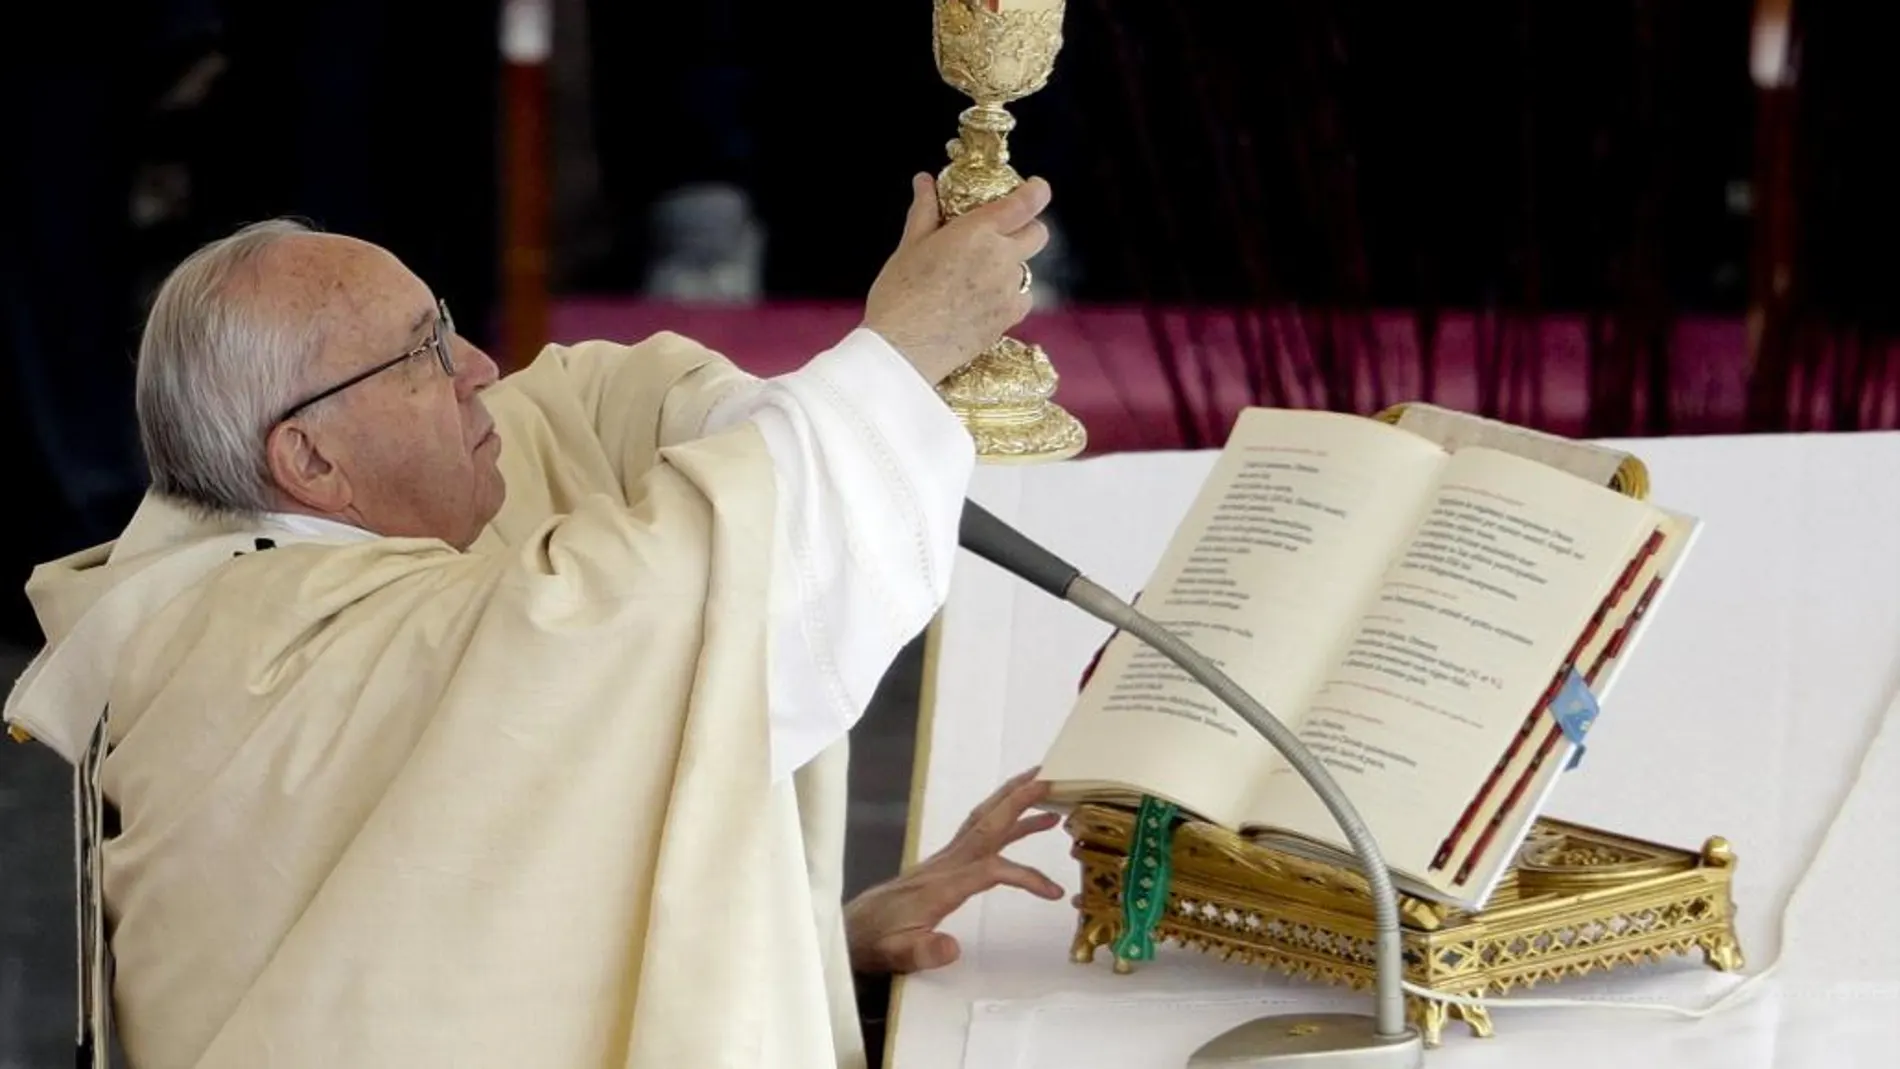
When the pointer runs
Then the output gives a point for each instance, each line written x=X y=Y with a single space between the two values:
x=1575 y=709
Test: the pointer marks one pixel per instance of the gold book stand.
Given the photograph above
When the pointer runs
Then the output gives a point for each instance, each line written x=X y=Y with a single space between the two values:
x=1578 y=900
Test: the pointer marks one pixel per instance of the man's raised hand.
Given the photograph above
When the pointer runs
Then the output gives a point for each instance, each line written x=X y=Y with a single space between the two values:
x=951 y=289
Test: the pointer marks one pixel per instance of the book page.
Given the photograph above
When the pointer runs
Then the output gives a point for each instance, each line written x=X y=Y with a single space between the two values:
x=1457 y=647
x=1458 y=431
x=1272 y=565
x=1539 y=753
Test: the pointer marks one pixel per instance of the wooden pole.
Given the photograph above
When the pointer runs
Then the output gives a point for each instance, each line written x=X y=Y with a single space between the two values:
x=526 y=40
x=1771 y=265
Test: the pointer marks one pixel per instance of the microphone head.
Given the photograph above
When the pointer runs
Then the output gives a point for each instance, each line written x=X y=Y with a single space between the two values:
x=983 y=534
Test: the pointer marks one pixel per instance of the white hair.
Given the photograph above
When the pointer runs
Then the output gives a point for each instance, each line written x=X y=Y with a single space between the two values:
x=216 y=369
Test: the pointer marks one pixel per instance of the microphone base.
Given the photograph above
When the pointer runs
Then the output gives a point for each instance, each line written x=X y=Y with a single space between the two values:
x=1310 y=1041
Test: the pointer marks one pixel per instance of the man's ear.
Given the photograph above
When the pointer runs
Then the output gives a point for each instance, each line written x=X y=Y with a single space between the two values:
x=303 y=472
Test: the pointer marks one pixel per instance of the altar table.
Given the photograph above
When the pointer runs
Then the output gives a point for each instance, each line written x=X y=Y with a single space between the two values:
x=1758 y=707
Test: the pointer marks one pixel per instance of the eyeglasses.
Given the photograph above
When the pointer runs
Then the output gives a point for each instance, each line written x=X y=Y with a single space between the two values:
x=438 y=340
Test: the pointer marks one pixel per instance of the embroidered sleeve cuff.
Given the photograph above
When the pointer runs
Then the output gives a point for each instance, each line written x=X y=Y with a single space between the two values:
x=931 y=452
x=894 y=398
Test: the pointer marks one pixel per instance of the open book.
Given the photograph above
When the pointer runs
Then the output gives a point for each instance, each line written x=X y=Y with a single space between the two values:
x=1413 y=601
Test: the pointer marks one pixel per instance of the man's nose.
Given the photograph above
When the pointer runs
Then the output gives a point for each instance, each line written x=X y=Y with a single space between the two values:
x=474 y=370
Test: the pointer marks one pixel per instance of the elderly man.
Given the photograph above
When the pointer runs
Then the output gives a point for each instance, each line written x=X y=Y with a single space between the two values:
x=450 y=721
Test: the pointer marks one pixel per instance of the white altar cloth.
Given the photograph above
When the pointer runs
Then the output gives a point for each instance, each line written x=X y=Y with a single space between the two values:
x=1762 y=684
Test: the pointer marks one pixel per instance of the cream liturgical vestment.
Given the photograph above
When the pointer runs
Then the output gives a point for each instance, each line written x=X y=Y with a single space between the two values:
x=384 y=803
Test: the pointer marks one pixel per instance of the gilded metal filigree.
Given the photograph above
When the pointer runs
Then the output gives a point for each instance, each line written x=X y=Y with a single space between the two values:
x=1580 y=900
x=994 y=56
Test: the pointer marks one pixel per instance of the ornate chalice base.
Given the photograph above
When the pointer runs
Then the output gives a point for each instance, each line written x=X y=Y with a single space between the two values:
x=1003 y=398
x=996 y=51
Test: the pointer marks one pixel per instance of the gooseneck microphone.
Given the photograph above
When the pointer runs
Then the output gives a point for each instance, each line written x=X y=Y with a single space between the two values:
x=1390 y=1041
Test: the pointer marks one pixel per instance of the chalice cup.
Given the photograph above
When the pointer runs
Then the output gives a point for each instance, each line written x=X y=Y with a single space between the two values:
x=995 y=52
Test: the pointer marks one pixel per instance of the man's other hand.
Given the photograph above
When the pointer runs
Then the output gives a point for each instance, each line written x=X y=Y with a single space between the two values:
x=953 y=288
x=892 y=928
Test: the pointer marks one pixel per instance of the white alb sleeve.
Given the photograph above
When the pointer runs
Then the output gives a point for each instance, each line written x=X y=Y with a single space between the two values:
x=871 y=470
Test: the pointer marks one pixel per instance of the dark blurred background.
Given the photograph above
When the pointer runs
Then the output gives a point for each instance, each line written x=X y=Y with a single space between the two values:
x=1614 y=217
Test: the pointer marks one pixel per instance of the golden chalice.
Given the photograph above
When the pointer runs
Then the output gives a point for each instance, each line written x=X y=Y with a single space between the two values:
x=994 y=52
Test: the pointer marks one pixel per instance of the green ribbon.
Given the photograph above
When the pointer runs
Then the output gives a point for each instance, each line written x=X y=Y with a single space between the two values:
x=1145 y=879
